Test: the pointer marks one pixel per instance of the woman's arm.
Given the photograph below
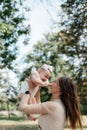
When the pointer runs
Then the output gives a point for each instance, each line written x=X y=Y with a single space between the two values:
x=31 y=108
x=40 y=108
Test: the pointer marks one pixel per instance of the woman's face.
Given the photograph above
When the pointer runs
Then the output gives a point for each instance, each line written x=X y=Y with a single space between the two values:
x=55 y=87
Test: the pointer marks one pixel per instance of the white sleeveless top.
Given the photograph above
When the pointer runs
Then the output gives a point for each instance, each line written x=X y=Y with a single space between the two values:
x=54 y=120
x=25 y=86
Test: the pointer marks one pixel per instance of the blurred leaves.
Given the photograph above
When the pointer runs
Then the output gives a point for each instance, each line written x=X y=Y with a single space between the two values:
x=11 y=27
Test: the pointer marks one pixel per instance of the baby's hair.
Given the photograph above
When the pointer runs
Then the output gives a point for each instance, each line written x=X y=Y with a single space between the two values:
x=47 y=67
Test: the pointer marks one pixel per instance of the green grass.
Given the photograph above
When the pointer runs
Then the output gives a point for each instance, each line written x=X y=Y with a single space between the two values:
x=19 y=128
x=28 y=128
x=20 y=123
x=14 y=118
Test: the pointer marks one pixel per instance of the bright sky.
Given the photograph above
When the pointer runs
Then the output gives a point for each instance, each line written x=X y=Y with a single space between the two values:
x=41 y=19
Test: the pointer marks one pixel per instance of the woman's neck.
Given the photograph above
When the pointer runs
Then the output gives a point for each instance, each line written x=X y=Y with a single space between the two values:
x=55 y=96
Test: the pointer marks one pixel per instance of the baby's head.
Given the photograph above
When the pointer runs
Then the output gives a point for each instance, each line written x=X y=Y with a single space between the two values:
x=45 y=72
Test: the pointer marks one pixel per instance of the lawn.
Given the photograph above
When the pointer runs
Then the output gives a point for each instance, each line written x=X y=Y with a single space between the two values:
x=19 y=123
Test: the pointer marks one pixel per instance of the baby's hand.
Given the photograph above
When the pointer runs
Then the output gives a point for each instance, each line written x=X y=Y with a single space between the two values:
x=46 y=83
x=50 y=84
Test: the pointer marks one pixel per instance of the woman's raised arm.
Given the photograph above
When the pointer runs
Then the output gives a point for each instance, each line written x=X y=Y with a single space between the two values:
x=40 y=108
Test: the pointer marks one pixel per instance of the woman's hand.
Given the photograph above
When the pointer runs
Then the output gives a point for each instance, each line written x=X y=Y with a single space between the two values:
x=21 y=95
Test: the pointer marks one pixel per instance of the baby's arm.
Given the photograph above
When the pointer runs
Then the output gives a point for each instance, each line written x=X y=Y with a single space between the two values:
x=36 y=79
x=46 y=83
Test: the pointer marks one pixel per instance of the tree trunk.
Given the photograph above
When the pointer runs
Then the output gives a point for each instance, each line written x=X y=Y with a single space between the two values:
x=8 y=109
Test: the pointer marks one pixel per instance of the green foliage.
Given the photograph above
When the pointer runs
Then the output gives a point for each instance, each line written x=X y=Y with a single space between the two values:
x=13 y=117
x=5 y=28
x=11 y=27
x=84 y=109
x=45 y=95
x=24 y=127
x=74 y=38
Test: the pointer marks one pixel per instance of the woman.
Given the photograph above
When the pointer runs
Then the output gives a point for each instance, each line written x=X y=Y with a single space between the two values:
x=63 y=105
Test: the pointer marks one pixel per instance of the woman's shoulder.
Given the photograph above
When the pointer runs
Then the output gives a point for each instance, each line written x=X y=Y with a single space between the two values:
x=53 y=106
x=57 y=104
x=50 y=105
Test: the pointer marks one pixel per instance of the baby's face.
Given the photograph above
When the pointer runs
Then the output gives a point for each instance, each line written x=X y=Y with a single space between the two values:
x=44 y=74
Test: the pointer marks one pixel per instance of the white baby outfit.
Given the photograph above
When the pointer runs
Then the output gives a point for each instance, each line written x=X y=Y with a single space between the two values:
x=25 y=85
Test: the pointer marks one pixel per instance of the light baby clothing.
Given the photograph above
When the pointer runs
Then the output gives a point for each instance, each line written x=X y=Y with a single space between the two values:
x=25 y=85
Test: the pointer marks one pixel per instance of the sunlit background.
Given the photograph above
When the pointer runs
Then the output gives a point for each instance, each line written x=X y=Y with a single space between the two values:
x=34 y=32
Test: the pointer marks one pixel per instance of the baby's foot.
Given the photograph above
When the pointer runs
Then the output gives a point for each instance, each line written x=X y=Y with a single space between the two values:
x=31 y=117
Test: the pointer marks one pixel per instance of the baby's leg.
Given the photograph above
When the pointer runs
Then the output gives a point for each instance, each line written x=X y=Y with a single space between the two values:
x=31 y=117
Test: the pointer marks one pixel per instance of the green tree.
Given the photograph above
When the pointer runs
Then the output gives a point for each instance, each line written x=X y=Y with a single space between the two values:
x=11 y=27
x=74 y=37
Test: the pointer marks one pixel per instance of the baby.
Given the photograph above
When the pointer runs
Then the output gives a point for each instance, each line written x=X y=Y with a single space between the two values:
x=36 y=79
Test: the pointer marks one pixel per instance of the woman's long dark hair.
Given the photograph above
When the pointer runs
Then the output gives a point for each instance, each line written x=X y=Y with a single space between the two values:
x=70 y=99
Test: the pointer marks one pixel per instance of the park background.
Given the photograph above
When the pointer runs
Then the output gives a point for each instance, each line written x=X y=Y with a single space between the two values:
x=34 y=32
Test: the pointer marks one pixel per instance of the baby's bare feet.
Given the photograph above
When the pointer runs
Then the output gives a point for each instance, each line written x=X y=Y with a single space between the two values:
x=31 y=117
